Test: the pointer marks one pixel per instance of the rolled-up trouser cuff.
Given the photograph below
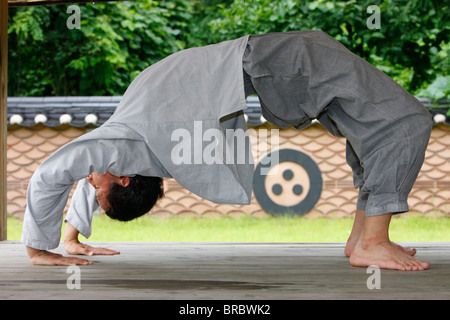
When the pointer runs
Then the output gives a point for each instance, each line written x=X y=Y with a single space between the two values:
x=375 y=205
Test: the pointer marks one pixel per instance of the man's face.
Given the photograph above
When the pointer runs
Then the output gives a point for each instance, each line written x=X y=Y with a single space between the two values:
x=102 y=184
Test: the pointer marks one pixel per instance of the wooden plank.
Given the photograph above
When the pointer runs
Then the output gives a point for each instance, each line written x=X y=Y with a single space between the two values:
x=22 y=3
x=3 y=112
x=223 y=271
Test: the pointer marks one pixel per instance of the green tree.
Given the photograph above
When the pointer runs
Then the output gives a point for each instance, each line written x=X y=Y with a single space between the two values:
x=115 y=42
x=410 y=46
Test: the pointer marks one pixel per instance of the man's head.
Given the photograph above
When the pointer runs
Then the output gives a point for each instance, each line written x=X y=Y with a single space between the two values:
x=126 y=198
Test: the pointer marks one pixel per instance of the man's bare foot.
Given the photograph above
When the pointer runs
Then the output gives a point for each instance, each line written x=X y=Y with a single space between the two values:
x=353 y=240
x=355 y=234
x=374 y=248
x=386 y=255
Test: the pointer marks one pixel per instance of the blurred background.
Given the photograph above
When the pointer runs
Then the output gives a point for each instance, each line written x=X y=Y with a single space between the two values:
x=117 y=40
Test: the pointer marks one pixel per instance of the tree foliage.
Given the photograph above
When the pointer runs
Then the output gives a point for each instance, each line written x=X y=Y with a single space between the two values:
x=410 y=46
x=114 y=43
x=117 y=40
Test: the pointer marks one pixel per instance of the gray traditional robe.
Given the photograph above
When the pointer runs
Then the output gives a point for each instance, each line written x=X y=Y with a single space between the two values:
x=193 y=98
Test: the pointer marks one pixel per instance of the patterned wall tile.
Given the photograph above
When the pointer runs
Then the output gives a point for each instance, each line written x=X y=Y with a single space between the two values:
x=28 y=147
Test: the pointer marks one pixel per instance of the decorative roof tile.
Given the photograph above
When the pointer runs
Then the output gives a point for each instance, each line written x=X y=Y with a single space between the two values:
x=84 y=111
x=94 y=111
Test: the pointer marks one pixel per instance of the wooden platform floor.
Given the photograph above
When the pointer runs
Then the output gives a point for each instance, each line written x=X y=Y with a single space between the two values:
x=210 y=271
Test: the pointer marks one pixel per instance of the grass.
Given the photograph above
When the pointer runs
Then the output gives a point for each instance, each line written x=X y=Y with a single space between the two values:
x=405 y=228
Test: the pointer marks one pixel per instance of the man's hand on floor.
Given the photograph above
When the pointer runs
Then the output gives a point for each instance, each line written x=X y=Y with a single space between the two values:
x=47 y=258
x=73 y=246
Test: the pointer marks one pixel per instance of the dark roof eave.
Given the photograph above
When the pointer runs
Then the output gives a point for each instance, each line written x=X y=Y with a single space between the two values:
x=93 y=111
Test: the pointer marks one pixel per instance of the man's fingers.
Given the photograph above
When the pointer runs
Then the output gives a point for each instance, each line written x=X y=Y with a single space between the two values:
x=78 y=248
x=52 y=259
x=103 y=251
x=72 y=261
x=89 y=251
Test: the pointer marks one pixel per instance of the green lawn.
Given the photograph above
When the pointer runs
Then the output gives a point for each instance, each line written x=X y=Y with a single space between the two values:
x=246 y=229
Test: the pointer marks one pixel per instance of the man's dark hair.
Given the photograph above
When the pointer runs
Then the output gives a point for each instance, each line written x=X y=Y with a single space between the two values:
x=135 y=200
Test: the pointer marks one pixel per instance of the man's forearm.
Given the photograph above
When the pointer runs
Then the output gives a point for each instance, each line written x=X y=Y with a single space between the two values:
x=70 y=233
x=70 y=240
x=36 y=256
x=73 y=246
x=82 y=207
x=32 y=253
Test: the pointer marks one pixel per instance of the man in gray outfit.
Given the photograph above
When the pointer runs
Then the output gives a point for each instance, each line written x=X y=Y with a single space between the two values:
x=298 y=77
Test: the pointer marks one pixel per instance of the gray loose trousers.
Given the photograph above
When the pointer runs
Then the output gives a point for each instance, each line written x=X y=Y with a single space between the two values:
x=304 y=75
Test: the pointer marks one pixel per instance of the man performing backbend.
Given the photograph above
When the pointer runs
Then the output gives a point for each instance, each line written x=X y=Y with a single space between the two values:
x=298 y=76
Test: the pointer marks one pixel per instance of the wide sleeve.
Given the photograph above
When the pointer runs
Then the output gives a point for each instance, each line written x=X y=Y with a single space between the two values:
x=115 y=149
x=50 y=186
x=83 y=204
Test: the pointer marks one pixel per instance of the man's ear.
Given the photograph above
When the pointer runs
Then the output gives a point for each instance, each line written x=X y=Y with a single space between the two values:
x=124 y=181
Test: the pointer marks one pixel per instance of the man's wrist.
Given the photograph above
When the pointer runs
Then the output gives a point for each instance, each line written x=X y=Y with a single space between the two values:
x=70 y=234
x=33 y=252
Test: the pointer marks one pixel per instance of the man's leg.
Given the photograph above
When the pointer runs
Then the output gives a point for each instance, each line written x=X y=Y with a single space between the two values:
x=358 y=225
x=375 y=248
x=357 y=228
x=385 y=178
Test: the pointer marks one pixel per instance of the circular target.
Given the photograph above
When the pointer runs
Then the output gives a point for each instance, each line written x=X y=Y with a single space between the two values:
x=287 y=181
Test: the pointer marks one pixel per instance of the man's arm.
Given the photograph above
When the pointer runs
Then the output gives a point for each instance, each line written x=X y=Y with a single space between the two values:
x=79 y=221
x=114 y=148
x=50 y=186
x=82 y=207
x=73 y=246
x=47 y=195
